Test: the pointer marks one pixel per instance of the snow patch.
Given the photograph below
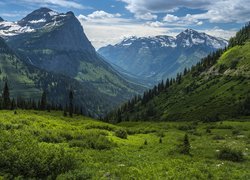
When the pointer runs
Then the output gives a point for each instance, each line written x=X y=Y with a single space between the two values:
x=37 y=21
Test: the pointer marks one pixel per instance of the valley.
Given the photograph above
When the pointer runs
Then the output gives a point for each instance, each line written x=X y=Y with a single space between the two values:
x=149 y=106
x=84 y=148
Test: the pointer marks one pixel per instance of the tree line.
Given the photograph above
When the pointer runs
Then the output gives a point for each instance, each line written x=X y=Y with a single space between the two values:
x=42 y=104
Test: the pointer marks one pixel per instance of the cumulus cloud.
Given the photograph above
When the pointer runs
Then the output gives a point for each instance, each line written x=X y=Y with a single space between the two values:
x=170 y=18
x=146 y=16
x=215 y=11
x=99 y=15
x=222 y=33
x=105 y=28
x=155 y=24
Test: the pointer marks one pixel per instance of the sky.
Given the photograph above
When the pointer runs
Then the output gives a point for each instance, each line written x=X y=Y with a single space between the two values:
x=109 y=21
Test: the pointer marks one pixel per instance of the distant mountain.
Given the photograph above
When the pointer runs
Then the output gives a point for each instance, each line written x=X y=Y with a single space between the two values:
x=216 y=88
x=1 y=19
x=161 y=56
x=55 y=42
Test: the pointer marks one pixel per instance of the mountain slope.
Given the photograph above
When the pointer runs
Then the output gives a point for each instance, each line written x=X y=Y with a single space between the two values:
x=28 y=82
x=55 y=42
x=216 y=88
x=161 y=56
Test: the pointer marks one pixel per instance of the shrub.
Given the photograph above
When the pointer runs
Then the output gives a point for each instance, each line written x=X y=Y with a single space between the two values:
x=121 y=133
x=186 y=127
x=236 y=132
x=160 y=134
x=208 y=130
x=76 y=174
x=185 y=147
x=218 y=137
x=92 y=140
x=229 y=154
x=21 y=155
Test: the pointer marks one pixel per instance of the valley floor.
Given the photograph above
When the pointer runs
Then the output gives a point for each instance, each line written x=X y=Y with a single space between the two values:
x=41 y=145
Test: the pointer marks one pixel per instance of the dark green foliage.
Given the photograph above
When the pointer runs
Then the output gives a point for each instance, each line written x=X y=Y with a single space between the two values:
x=43 y=101
x=160 y=140
x=227 y=153
x=208 y=130
x=6 y=97
x=185 y=147
x=241 y=36
x=121 y=133
x=71 y=106
x=145 y=142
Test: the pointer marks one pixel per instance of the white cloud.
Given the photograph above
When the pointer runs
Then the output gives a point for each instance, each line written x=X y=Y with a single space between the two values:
x=170 y=18
x=103 y=28
x=155 y=24
x=216 y=11
x=112 y=28
x=222 y=33
x=146 y=16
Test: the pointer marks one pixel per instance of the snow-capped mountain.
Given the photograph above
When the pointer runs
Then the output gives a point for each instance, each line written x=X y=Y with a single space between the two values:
x=161 y=56
x=36 y=19
x=56 y=42
x=190 y=37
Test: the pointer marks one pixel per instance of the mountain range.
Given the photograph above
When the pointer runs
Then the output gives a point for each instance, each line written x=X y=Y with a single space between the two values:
x=159 y=57
x=55 y=43
x=216 y=88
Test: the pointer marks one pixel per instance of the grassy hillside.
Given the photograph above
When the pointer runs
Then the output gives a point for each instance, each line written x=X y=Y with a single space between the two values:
x=217 y=88
x=28 y=82
x=39 y=144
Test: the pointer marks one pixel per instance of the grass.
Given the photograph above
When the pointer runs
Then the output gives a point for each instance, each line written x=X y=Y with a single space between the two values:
x=39 y=144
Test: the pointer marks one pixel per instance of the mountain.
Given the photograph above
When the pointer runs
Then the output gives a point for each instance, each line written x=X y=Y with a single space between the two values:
x=28 y=82
x=56 y=43
x=1 y=19
x=161 y=56
x=216 y=88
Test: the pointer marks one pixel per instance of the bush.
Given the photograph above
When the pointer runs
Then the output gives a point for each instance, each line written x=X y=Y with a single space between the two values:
x=236 y=132
x=93 y=140
x=121 y=133
x=21 y=155
x=77 y=175
x=186 y=127
x=218 y=137
x=185 y=147
x=229 y=154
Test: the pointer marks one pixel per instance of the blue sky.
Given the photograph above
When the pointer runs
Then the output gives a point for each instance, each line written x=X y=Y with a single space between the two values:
x=109 y=21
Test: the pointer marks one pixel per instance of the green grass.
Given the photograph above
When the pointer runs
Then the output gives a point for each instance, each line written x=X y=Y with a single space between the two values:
x=34 y=143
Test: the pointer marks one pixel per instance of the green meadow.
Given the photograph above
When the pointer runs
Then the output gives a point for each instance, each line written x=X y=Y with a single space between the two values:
x=47 y=145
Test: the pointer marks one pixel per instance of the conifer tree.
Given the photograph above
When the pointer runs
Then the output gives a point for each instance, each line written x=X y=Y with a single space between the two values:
x=71 y=107
x=6 y=97
x=43 y=105
x=186 y=145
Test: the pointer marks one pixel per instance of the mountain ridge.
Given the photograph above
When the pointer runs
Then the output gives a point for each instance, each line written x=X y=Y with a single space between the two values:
x=161 y=56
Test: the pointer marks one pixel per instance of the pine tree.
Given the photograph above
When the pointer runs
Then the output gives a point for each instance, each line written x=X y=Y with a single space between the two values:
x=43 y=105
x=186 y=145
x=71 y=108
x=13 y=104
x=6 y=97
